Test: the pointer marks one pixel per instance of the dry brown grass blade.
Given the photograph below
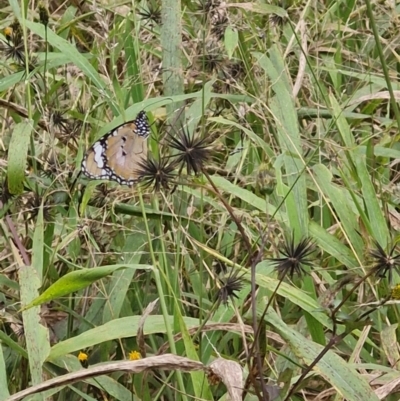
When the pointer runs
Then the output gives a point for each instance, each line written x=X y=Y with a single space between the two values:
x=302 y=60
x=17 y=244
x=22 y=112
x=231 y=374
x=167 y=362
x=382 y=95
x=139 y=336
x=389 y=388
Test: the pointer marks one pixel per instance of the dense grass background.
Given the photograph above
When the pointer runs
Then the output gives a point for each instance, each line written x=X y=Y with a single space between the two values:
x=265 y=263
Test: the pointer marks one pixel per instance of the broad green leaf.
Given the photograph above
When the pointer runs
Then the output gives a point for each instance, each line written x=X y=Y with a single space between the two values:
x=17 y=155
x=207 y=199
x=147 y=105
x=115 y=329
x=171 y=42
x=77 y=280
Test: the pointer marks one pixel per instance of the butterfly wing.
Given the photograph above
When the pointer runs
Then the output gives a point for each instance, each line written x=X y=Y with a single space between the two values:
x=94 y=162
x=116 y=155
x=124 y=151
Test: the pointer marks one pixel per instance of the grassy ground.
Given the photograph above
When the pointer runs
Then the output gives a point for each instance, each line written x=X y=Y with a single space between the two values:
x=257 y=259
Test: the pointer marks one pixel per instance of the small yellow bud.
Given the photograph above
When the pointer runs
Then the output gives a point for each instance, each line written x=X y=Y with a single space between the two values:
x=134 y=356
x=8 y=32
x=83 y=357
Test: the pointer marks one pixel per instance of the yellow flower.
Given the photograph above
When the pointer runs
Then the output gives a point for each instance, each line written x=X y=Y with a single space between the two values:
x=83 y=357
x=395 y=294
x=134 y=356
x=8 y=32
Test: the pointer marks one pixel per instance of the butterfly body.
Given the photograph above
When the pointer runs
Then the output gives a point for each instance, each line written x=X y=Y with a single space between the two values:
x=116 y=155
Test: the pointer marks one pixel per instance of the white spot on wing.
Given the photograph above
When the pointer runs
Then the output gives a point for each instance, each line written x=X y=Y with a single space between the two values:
x=98 y=154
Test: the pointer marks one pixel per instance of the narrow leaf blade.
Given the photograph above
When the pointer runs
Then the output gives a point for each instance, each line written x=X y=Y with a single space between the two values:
x=78 y=280
x=17 y=155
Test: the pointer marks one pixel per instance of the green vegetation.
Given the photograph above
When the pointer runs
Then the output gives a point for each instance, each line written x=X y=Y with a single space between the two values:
x=257 y=257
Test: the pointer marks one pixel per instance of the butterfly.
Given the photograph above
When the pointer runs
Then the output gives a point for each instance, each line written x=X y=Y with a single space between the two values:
x=116 y=155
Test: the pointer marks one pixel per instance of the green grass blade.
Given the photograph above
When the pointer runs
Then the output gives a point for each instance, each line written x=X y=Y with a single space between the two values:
x=199 y=380
x=118 y=328
x=333 y=246
x=37 y=336
x=132 y=51
x=285 y=116
x=4 y=393
x=121 y=280
x=38 y=244
x=17 y=155
x=6 y=340
x=78 y=280
x=15 y=7
x=377 y=220
x=346 y=381
x=171 y=43
x=342 y=205
x=247 y=196
x=295 y=295
x=250 y=134
x=10 y=80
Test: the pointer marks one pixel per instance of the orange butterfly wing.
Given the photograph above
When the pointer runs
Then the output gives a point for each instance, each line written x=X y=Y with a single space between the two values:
x=116 y=155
